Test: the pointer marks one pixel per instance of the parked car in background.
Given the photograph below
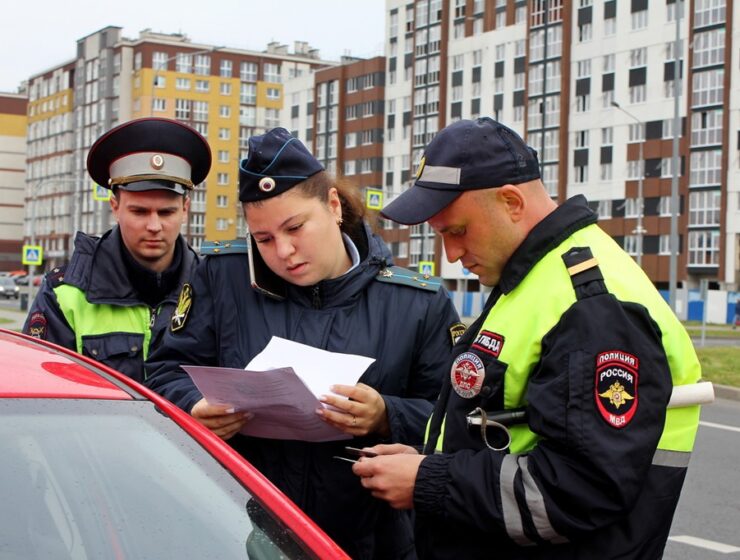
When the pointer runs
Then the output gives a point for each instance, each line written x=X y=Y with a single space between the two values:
x=96 y=466
x=8 y=288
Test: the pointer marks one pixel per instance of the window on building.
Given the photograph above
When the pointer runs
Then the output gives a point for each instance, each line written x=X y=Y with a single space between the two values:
x=272 y=72
x=182 y=109
x=222 y=178
x=159 y=104
x=704 y=208
x=182 y=84
x=224 y=133
x=248 y=71
x=202 y=64
x=708 y=87
x=703 y=248
x=706 y=168
x=184 y=63
x=226 y=68
x=202 y=86
x=224 y=111
x=639 y=20
x=159 y=60
x=222 y=201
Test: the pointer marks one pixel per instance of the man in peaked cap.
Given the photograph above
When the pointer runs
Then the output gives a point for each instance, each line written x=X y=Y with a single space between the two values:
x=551 y=437
x=115 y=297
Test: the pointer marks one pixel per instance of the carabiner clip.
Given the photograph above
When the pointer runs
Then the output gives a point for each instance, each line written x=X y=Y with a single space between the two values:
x=479 y=417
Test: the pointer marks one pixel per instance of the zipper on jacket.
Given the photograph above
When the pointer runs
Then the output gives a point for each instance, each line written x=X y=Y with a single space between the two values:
x=316 y=297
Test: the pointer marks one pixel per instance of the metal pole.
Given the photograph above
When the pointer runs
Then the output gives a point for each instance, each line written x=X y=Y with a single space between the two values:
x=32 y=267
x=673 y=240
x=639 y=230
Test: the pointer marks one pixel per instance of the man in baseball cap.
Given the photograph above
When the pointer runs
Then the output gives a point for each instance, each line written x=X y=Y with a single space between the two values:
x=114 y=298
x=541 y=408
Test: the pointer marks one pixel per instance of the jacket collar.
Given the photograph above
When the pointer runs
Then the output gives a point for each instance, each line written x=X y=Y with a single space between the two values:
x=556 y=227
x=374 y=255
x=98 y=268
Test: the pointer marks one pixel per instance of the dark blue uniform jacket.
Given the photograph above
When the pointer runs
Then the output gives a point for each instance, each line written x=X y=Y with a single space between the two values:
x=406 y=329
x=100 y=269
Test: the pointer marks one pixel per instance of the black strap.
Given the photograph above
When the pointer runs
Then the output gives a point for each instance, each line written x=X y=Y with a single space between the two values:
x=584 y=272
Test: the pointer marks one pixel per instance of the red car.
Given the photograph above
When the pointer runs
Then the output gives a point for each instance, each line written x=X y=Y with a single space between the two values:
x=93 y=465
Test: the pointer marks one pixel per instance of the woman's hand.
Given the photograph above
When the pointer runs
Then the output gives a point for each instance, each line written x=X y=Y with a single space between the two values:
x=361 y=413
x=220 y=419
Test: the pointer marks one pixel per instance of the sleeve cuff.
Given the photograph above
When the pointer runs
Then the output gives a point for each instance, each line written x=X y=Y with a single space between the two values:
x=430 y=490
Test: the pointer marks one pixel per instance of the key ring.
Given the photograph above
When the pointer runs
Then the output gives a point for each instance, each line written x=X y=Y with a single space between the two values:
x=478 y=416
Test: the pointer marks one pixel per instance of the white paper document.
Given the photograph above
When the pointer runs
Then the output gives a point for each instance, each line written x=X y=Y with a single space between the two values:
x=281 y=386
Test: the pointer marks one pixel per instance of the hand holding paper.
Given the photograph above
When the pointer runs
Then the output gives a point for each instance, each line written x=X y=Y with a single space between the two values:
x=283 y=399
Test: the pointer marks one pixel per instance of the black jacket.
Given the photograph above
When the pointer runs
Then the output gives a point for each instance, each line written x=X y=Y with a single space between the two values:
x=586 y=489
x=406 y=329
x=100 y=268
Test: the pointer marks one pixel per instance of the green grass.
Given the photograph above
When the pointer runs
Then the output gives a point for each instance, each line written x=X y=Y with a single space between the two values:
x=4 y=321
x=719 y=364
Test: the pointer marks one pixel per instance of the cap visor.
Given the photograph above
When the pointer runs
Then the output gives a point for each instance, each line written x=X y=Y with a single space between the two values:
x=142 y=186
x=418 y=204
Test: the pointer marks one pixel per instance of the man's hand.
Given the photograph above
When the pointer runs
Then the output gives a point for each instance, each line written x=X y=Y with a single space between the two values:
x=221 y=420
x=391 y=477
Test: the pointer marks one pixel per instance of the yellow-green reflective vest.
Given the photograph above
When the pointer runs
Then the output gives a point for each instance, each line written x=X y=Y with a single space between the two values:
x=526 y=314
x=89 y=319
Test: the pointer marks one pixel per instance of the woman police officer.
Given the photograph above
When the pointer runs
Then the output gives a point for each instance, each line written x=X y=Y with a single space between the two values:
x=320 y=277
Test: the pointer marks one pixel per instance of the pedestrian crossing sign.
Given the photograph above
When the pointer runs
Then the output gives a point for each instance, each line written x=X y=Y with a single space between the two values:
x=32 y=254
x=100 y=193
x=374 y=199
x=426 y=267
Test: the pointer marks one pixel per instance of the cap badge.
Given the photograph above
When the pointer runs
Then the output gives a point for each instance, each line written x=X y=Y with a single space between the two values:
x=467 y=375
x=157 y=162
x=267 y=184
x=421 y=166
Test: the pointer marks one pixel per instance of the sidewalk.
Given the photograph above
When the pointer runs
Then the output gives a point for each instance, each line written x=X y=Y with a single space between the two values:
x=15 y=316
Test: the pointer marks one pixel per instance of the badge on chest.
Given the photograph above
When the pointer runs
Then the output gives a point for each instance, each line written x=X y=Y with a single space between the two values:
x=467 y=375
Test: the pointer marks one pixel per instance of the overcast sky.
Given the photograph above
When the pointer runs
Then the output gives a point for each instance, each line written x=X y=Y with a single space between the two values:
x=38 y=34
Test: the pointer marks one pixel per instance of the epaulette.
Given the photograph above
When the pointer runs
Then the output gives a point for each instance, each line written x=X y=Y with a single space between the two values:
x=224 y=247
x=406 y=277
x=55 y=277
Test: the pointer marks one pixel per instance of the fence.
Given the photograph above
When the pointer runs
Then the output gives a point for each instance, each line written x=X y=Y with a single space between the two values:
x=720 y=304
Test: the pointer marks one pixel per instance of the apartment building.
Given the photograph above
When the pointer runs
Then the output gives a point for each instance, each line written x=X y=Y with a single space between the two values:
x=13 y=124
x=591 y=85
x=226 y=94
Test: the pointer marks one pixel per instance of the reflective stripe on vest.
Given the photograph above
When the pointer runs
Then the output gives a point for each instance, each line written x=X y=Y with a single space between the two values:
x=524 y=321
x=87 y=318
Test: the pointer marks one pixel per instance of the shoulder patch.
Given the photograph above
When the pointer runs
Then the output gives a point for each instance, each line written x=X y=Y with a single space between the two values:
x=55 y=277
x=407 y=277
x=184 y=303
x=37 y=325
x=224 y=247
x=616 y=382
x=456 y=331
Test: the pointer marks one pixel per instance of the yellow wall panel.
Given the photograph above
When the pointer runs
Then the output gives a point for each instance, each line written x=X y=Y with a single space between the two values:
x=263 y=101
x=13 y=125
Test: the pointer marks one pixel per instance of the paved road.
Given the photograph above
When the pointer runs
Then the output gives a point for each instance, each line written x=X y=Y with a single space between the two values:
x=706 y=523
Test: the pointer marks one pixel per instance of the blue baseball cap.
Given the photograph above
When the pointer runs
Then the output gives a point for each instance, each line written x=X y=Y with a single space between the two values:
x=466 y=155
x=276 y=162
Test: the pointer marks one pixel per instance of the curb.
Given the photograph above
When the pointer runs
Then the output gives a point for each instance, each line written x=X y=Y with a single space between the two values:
x=726 y=392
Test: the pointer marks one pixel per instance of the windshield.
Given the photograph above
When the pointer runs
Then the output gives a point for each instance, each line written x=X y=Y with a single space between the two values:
x=87 y=479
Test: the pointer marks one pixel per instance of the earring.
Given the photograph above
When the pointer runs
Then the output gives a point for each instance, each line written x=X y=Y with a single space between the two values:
x=340 y=221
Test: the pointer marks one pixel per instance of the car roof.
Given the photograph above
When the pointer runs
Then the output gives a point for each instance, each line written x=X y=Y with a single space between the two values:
x=32 y=369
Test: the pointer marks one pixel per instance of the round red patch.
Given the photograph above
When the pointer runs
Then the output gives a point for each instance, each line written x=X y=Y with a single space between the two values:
x=467 y=375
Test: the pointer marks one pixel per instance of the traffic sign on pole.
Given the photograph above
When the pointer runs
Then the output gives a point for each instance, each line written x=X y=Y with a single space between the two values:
x=426 y=267
x=100 y=193
x=32 y=255
x=374 y=199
